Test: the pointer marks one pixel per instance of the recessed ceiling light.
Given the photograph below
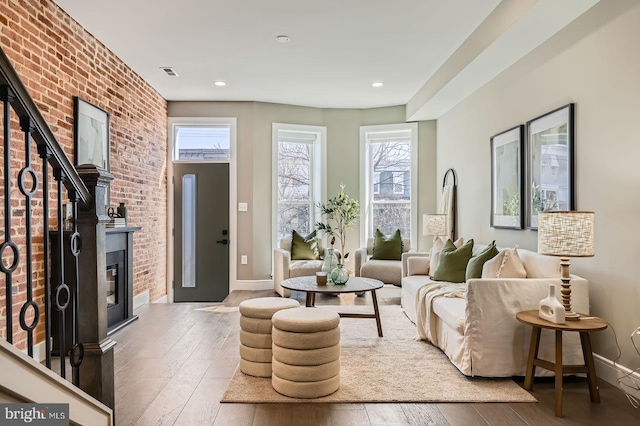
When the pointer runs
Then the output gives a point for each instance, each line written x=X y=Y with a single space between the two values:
x=283 y=39
x=378 y=84
x=220 y=83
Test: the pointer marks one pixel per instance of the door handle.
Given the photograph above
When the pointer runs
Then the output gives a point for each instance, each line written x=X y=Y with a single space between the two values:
x=225 y=242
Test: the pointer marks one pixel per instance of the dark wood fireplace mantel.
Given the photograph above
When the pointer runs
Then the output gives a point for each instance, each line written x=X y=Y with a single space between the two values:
x=119 y=257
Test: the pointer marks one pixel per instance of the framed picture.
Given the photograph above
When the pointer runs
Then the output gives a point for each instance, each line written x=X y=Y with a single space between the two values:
x=91 y=135
x=506 y=179
x=550 y=164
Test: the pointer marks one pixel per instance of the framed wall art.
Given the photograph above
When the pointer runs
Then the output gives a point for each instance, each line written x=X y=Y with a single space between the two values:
x=550 y=163
x=506 y=179
x=91 y=136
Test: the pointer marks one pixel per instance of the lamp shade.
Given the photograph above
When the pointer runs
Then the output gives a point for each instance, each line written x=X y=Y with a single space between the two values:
x=566 y=234
x=434 y=224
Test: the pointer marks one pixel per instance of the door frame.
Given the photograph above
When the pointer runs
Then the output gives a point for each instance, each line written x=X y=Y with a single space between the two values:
x=233 y=195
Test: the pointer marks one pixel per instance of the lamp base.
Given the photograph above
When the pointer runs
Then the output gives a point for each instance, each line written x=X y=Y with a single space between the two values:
x=571 y=316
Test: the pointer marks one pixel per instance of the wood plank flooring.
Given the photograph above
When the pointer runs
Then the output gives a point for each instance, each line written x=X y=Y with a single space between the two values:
x=174 y=364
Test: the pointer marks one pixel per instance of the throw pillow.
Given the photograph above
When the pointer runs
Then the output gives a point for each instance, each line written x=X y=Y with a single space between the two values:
x=453 y=262
x=512 y=266
x=474 y=267
x=438 y=243
x=417 y=265
x=304 y=248
x=387 y=247
x=506 y=264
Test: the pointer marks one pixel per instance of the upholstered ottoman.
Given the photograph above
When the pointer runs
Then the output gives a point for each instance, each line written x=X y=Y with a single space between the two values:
x=255 y=333
x=306 y=352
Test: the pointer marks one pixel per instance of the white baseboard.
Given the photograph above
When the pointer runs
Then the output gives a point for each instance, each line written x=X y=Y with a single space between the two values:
x=39 y=352
x=163 y=299
x=141 y=299
x=610 y=373
x=251 y=285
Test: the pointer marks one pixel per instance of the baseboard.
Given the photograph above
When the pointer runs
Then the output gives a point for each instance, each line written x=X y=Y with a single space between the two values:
x=251 y=285
x=39 y=352
x=141 y=299
x=163 y=299
x=610 y=373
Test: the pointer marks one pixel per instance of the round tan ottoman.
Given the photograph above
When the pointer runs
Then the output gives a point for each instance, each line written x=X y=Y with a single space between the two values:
x=306 y=352
x=255 y=333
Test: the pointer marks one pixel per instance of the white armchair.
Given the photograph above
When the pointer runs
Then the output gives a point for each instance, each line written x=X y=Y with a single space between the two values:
x=387 y=271
x=284 y=267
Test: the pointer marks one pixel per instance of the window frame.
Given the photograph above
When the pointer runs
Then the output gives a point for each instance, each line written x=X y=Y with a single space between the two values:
x=318 y=171
x=375 y=134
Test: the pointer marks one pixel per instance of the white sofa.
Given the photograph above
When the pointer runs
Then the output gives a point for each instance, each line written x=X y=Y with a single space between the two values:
x=480 y=333
x=387 y=271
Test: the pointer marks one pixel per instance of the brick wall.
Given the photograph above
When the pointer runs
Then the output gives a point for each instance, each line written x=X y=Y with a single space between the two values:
x=57 y=60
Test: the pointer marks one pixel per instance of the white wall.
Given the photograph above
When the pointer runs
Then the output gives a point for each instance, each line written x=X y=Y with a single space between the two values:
x=594 y=62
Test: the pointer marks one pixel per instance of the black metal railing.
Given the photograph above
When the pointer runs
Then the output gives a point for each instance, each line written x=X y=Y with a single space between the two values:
x=26 y=224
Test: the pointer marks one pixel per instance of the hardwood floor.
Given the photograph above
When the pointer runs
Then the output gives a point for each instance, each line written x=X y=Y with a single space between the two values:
x=173 y=366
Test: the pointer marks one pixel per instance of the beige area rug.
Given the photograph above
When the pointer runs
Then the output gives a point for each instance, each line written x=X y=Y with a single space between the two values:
x=394 y=368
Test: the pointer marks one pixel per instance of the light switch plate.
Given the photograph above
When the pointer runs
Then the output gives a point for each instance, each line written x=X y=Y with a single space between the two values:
x=242 y=207
x=243 y=259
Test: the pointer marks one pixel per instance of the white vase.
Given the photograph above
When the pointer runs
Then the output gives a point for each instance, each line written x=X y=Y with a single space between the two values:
x=550 y=308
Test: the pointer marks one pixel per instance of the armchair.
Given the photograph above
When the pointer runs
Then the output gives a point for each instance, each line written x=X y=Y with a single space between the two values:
x=284 y=267
x=387 y=271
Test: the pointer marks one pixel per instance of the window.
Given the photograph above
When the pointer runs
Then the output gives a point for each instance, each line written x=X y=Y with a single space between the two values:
x=202 y=142
x=376 y=182
x=388 y=172
x=298 y=179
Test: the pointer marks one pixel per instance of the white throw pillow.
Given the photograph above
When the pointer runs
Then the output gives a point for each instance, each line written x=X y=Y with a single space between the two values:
x=417 y=265
x=438 y=243
x=506 y=264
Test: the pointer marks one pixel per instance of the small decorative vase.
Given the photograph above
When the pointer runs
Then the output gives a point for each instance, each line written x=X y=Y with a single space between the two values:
x=339 y=275
x=122 y=210
x=330 y=262
x=551 y=309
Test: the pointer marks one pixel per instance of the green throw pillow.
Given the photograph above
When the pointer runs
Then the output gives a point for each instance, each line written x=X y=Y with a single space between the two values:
x=304 y=248
x=387 y=247
x=453 y=262
x=474 y=267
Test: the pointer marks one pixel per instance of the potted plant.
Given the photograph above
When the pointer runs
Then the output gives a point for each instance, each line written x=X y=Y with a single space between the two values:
x=338 y=215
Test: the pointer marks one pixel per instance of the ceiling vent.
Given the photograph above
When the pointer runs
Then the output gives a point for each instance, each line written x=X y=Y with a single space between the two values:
x=170 y=71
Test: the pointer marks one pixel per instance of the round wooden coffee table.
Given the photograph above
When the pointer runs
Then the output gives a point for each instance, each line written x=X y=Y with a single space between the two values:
x=354 y=285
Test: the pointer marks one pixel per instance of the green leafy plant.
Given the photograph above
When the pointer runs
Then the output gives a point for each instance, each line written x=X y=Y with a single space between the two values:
x=338 y=215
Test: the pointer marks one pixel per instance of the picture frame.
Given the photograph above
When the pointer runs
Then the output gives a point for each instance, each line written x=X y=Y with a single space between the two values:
x=550 y=163
x=91 y=134
x=507 y=175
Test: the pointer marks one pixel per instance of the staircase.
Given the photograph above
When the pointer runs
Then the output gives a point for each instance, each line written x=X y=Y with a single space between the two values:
x=33 y=203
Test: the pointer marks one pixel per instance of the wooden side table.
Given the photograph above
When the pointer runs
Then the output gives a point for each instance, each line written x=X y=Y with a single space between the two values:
x=584 y=325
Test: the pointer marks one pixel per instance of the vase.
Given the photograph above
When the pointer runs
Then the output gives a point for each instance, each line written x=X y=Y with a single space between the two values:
x=551 y=309
x=122 y=210
x=339 y=275
x=330 y=262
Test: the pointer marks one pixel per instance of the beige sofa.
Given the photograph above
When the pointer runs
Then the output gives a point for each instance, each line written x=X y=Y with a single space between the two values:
x=478 y=329
x=387 y=271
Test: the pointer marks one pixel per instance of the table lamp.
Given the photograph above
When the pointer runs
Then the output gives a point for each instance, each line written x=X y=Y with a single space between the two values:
x=566 y=234
x=434 y=224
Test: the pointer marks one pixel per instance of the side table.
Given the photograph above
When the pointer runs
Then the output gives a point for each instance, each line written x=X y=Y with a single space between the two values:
x=584 y=325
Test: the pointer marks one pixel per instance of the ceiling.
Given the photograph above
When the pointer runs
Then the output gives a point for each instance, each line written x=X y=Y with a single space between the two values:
x=430 y=54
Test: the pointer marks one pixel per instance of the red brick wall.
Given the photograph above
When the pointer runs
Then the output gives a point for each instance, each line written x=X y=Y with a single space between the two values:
x=57 y=59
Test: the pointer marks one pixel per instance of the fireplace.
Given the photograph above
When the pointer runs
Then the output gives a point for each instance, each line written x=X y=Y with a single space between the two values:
x=119 y=276
x=119 y=279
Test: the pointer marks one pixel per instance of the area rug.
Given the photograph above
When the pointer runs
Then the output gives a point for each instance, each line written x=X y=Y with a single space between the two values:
x=393 y=368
